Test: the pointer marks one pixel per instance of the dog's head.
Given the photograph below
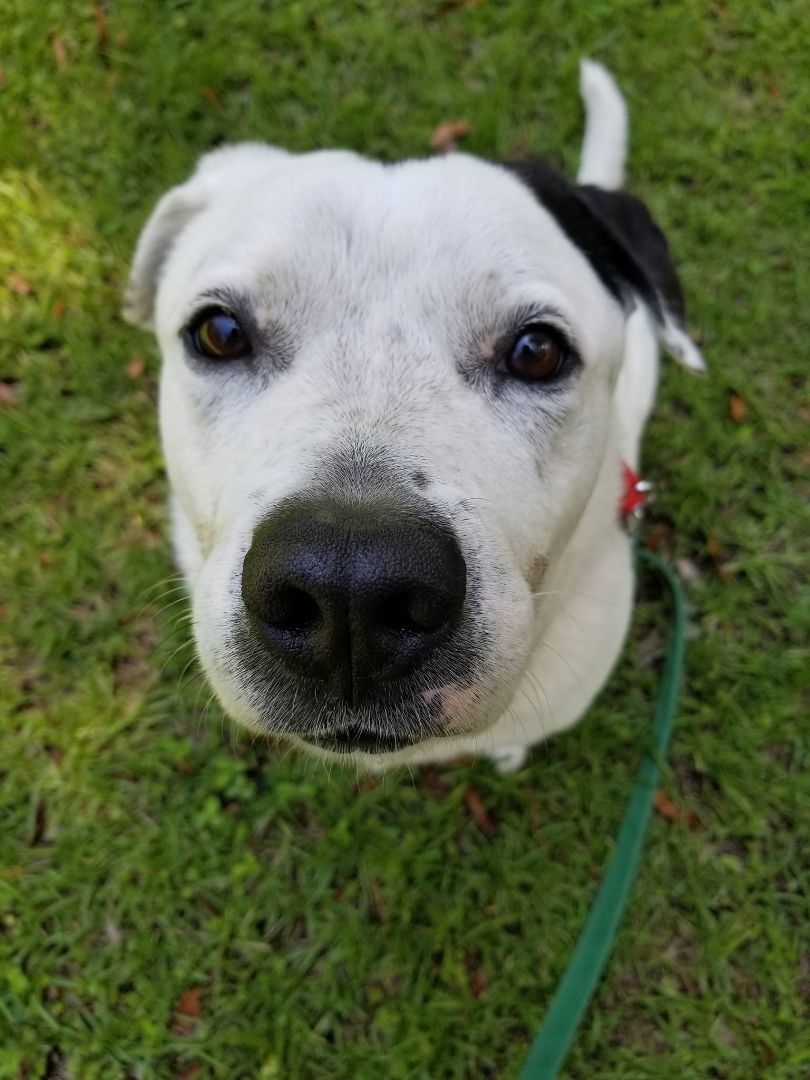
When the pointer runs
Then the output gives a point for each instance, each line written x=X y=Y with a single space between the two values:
x=386 y=399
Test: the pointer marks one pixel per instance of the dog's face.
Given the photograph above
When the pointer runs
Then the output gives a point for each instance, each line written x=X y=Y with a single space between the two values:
x=385 y=400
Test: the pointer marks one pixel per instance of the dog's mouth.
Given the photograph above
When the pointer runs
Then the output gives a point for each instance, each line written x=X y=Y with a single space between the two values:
x=345 y=741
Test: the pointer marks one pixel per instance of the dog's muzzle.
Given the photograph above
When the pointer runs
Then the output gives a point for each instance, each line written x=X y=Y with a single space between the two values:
x=352 y=599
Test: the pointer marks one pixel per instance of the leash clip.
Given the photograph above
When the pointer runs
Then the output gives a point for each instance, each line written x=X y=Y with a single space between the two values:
x=636 y=493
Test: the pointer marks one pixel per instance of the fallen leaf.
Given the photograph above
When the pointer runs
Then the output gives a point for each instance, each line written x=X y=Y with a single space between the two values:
x=534 y=814
x=188 y=1072
x=211 y=95
x=478 y=812
x=59 y=51
x=58 y=310
x=377 y=902
x=478 y=983
x=111 y=932
x=737 y=409
x=102 y=29
x=450 y=6
x=8 y=393
x=665 y=807
x=16 y=283
x=713 y=547
x=366 y=783
x=448 y=133
x=135 y=367
x=190 y=1003
x=431 y=781
x=40 y=829
x=657 y=537
x=188 y=1011
x=694 y=821
x=687 y=570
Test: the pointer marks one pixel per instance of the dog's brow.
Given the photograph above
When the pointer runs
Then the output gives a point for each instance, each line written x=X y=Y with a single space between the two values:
x=237 y=300
x=525 y=312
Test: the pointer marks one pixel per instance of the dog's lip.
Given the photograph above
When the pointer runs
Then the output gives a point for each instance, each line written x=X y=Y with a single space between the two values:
x=343 y=741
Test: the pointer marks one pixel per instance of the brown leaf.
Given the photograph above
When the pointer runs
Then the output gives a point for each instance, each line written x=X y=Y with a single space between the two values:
x=431 y=781
x=102 y=29
x=211 y=95
x=190 y=1003
x=377 y=902
x=57 y=310
x=8 y=393
x=112 y=933
x=366 y=783
x=135 y=367
x=478 y=812
x=737 y=409
x=477 y=978
x=534 y=814
x=188 y=1072
x=449 y=6
x=658 y=536
x=16 y=283
x=713 y=547
x=59 y=50
x=447 y=134
x=665 y=807
x=694 y=821
x=38 y=837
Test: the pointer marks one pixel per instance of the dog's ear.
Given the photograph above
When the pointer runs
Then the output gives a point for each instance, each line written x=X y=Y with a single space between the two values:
x=625 y=246
x=228 y=165
x=168 y=219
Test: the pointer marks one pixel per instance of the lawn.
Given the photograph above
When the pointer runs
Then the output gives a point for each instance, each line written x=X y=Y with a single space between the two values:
x=176 y=902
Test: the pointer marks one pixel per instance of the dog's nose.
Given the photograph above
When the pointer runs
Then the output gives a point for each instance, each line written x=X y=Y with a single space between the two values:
x=353 y=599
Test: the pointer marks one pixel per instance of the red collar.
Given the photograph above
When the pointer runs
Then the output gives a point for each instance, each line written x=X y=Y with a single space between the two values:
x=635 y=494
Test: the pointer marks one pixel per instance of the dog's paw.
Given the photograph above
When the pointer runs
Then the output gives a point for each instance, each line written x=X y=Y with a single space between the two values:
x=508 y=759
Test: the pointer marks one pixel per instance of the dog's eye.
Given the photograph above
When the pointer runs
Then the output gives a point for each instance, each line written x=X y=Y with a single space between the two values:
x=216 y=333
x=539 y=353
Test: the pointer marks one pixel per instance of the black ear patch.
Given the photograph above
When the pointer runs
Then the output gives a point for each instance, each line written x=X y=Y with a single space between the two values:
x=617 y=234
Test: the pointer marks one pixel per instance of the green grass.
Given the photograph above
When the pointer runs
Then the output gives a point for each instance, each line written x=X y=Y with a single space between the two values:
x=152 y=861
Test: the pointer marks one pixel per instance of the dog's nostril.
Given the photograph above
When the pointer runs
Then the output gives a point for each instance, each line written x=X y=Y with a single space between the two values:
x=413 y=612
x=292 y=609
x=355 y=599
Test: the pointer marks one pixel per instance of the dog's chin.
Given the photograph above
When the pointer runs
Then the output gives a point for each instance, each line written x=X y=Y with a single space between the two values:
x=360 y=742
x=367 y=752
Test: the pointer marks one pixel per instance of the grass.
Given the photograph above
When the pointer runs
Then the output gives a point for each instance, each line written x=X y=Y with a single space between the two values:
x=178 y=903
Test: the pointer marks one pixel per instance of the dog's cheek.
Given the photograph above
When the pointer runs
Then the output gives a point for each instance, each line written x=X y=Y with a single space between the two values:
x=537 y=571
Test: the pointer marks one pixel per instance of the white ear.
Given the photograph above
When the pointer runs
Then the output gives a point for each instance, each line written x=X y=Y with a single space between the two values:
x=227 y=168
x=172 y=213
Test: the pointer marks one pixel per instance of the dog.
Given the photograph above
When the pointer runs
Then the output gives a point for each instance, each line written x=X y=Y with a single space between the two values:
x=395 y=404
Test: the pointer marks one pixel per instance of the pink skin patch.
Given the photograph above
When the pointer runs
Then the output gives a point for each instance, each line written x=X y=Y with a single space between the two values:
x=454 y=702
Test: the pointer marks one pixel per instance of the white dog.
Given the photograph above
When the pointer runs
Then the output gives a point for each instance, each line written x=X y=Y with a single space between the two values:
x=395 y=404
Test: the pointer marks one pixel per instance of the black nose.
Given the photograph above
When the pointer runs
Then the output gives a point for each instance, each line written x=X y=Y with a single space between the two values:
x=352 y=598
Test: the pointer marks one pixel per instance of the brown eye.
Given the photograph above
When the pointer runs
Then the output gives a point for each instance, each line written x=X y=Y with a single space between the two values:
x=216 y=333
x=538 y=353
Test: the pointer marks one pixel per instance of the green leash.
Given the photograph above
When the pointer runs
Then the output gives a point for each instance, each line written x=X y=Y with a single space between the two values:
x=576 y=988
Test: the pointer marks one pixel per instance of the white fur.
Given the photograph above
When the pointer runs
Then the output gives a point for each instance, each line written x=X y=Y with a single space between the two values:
x=376 y=271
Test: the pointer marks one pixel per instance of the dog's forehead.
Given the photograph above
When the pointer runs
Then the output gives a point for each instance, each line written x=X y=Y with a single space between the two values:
x=338 y=226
